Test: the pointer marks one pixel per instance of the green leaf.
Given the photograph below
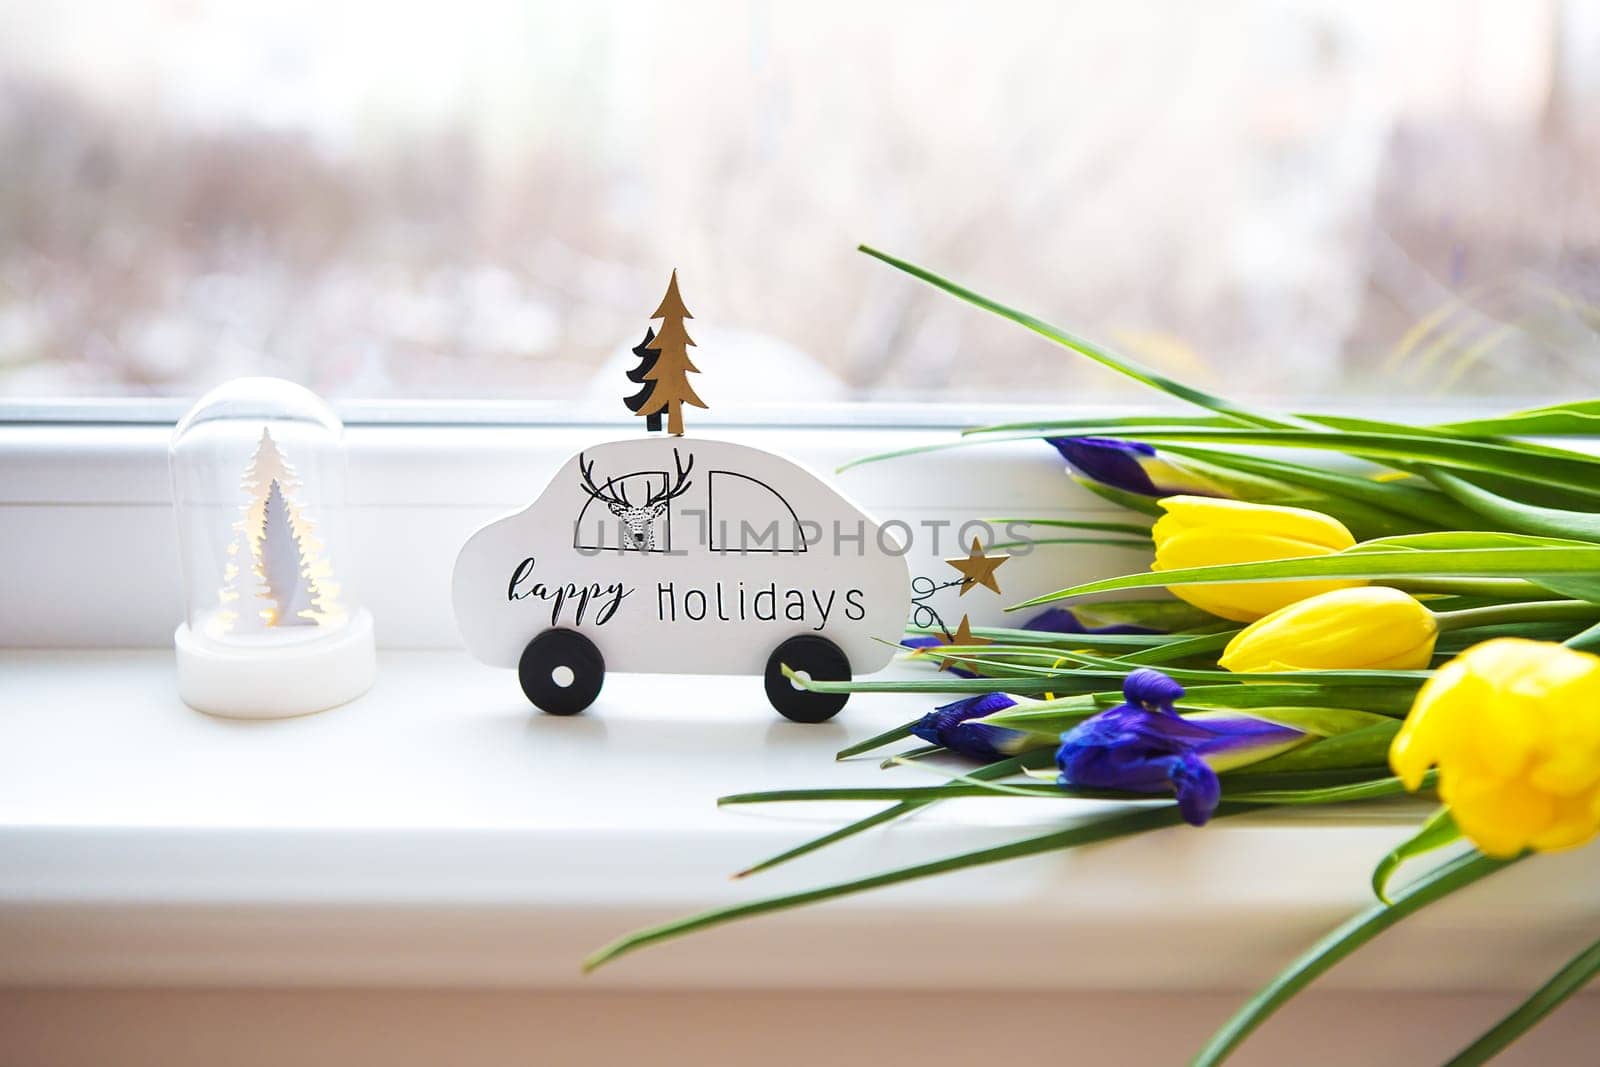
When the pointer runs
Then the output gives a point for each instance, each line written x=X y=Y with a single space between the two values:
x=1572 y=613
x=1390 y=502
x=1145 y=505
x=1439 y=831
x=1496 y=589
x=1341 y=942
x=998 y=769
x=1530 y=563
x=1575 y=472
x=876 y=741
x=1578 y=972
x=1108 y=425
x=917 y=450
x=1107 y=542
x=1391 y=698
x=1132 y=528
x=1307 y=788
x=1239 y=787
x=1348 y=424
x=1528 y=518
x=1320 y=721
x=1374 y=789
x=1365 y=747
x=1123 y=824
x=1104 y=356
x=1458 y=641
x=1580 y=587
x=1050 y=639
x=1091 y=679
x=1589 y=638
x=1177 y=651
x=878 y=792
x=910 y=755
x=1391 y=701
x=1545 y=494
x=1438 y=540
x=1573 y=418
x=1329 y=678
x=1168 y=615
x=1064 y=683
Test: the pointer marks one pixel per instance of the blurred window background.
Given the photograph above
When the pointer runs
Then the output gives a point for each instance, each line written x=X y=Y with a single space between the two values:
x=1287 y=200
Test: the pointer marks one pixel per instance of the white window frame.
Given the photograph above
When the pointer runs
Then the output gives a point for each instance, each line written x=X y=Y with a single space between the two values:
x=88 y=544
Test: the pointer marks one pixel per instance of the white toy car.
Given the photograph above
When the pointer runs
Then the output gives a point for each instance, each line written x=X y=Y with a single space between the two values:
x=674 y=555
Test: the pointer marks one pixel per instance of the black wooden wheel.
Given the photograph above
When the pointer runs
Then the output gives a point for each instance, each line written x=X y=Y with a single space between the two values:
x=822 y=661
x=561 y=672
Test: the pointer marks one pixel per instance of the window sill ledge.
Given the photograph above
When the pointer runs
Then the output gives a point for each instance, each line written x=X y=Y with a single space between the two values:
x=438 y=832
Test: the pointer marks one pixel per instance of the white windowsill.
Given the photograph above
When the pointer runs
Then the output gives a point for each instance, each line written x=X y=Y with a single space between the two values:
x=438 y=832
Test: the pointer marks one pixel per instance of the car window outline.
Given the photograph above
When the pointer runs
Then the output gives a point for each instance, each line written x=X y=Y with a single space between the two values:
x=711 y=515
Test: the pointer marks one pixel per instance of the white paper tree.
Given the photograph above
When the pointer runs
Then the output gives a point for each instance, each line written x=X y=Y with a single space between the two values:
x=277 y=575
x=266 y=466
x=283 y=564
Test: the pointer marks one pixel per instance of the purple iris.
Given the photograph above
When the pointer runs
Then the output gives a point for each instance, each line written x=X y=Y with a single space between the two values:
x=1109 y=461
x=953 y=727
x=1131 y=466
x=1143 y=746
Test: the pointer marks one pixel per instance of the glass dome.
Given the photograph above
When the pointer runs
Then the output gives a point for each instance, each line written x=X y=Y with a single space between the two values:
x=258 y=479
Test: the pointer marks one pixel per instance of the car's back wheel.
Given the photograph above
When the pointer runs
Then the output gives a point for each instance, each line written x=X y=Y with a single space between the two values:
x=821 y=661
x=561 y=672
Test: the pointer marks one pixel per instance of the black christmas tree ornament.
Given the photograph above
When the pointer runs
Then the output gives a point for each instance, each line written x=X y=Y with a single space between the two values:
x=647 y=359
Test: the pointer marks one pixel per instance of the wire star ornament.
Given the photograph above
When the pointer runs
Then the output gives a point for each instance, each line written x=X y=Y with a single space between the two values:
x=977 y=568
x=962 y=636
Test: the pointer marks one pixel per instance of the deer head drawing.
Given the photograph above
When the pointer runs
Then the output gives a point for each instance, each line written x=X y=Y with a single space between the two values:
x=638 y=520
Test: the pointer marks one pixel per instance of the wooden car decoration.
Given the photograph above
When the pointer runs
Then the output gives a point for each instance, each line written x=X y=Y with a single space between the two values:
x=665 y=554
x=660 y=555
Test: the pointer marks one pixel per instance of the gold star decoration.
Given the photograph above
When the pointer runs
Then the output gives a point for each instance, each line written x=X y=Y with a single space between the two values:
x=978 y=569
x=963 y=636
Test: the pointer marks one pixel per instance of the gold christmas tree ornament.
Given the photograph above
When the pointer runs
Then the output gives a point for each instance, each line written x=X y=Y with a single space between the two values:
x=258 y=475
x=667 y=376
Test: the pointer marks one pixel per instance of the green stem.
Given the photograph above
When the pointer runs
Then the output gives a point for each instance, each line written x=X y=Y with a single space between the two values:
x=1578 y=972
x=1590 y=638
x=1046 y=638
x=1109 y=542
x=909 y=755
x=1000 y=769
x=1083 y=346
x=1495 y=588
x=878 y=792
x=1182 y=649
x=1306 y=787
x=1536 y=611
x=876 y=741
x=1341 y=942
x=1120 y=825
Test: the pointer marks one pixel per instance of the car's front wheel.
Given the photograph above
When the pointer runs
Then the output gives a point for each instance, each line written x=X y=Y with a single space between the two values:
x=821 y=661
x=561 y=672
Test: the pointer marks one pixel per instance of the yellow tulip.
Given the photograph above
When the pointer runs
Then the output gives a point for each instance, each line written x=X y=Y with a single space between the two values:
x=1514 y=727
x=1199 y=531
x=1368 y=628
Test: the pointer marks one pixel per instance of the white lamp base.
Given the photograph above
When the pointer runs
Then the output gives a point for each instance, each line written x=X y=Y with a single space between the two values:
x=278 y=682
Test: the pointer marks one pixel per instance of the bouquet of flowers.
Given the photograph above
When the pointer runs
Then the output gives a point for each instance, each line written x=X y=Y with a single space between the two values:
x=1414 y=620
